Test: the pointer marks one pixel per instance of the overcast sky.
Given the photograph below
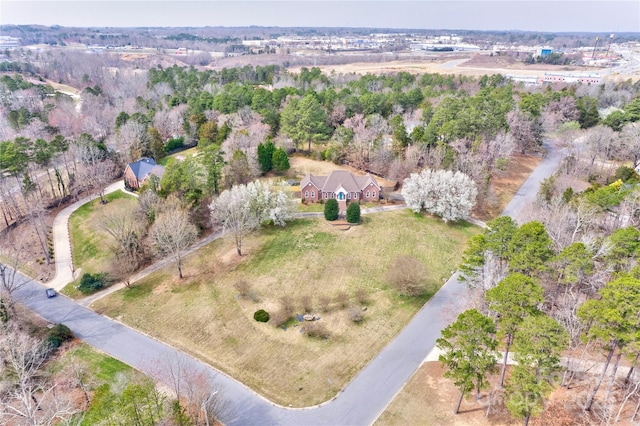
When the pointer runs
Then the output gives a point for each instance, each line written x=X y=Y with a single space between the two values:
x=541 y=15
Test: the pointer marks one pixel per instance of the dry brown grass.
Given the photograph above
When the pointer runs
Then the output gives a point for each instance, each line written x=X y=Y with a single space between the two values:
x=429 y=399
x=202 y=314
x=504 y=185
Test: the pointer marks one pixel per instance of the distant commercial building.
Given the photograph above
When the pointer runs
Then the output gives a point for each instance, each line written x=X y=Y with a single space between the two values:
x=554 y=77
x=8 y=42
x=544 y=51
x=528 y=80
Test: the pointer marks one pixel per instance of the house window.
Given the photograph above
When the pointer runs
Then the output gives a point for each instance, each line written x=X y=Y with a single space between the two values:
x=326 y=195
x=306 y=194
x=355 y=195
x=348 y=196
x=313 y=194
x=333 y=194
x=373 y=194
x=367 y=194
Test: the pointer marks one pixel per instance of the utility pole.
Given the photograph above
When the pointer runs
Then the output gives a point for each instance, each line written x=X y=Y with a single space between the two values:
x=609 y=47
x=594 y=48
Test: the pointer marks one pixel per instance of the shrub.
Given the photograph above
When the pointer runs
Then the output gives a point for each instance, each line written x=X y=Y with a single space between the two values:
x=261 y=315
x=342 y=299
x=278 y=318
x=362 y=296
x=174 y=143
x=317 y=329
x=353 y=213
x=286 y=303
x=59 y=334
x=306 y=302
x=408 y=275
x=356 y=314
x=244 y=287
x=324 y=301
x=331 y=209
x=626 y=174
x=280 y=160
x=90 y=283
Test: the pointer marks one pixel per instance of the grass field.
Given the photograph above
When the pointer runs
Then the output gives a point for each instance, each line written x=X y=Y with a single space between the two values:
x=89 y=244
x=203 y=314
x=102 y=368
x=180 y=155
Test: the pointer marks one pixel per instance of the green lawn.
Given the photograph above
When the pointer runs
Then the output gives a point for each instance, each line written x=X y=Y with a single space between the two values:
x=310 y=207
x=90 y=245
x=95 y=368
x=203 y=315
x=102 y=368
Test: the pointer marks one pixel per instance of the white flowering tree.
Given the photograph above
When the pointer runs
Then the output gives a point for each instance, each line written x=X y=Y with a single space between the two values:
x=243 y=208
x=440 y=192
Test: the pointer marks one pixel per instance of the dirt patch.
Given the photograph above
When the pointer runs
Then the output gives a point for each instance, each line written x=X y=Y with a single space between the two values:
x=429 y=399
x=511 y=63
x=418 y=66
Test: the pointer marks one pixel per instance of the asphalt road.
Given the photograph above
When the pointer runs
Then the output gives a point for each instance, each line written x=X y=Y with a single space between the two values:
x=359 y=403
x=528 y=192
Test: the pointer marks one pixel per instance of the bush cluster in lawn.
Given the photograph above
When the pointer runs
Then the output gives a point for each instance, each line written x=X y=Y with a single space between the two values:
x=90 y=283
x=261 y=315
x=353 y=213
x=408 y=275
x=317 y=329
x=331 y=209
x=59 y=334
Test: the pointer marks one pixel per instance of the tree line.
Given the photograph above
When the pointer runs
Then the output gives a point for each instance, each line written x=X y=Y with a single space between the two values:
x=569 y=280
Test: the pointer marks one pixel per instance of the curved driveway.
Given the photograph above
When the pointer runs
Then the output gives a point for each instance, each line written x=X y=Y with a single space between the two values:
x=359 y=403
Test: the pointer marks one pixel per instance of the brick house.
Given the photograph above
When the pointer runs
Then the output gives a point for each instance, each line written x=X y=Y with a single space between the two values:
x=137 y=173
x=341 y=185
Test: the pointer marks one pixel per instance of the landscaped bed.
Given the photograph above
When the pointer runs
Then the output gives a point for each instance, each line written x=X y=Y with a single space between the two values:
x=204 y=315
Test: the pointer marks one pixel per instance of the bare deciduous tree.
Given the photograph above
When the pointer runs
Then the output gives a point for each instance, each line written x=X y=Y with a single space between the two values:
x=29 y=397
x=630 y=138
x=11 y=261
x=525 y=130
x=126 y=232
x=172 y=233
x=194 y=389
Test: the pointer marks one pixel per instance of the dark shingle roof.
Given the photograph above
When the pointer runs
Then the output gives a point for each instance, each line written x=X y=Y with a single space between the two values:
x=144 y=167
x=338 y=179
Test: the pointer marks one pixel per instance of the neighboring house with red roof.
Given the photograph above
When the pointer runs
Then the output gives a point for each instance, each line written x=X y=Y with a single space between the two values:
x=341 y=185
x=137 y=173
